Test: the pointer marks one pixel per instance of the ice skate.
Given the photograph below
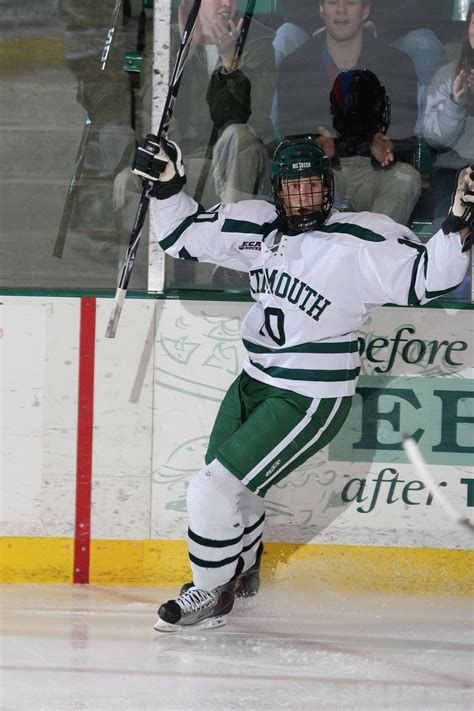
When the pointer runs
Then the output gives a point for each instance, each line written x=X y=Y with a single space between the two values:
x=196 y=608
x=248 y=582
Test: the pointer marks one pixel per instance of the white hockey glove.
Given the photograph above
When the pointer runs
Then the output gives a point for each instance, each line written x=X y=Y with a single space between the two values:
x=461 y=213
x=162 y=163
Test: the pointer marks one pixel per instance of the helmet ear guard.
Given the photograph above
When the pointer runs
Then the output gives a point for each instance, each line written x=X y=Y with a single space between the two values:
x=297 y=159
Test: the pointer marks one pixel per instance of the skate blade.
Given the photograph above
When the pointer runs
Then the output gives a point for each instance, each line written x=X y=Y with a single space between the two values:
x=245 y=603
x=210 y=623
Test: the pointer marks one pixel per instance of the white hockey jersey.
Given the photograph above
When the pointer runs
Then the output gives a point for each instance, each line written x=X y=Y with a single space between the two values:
x=312 y=291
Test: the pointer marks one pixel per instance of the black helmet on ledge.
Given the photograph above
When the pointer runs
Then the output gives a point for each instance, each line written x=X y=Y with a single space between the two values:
x=360 y=105
x=298 y=160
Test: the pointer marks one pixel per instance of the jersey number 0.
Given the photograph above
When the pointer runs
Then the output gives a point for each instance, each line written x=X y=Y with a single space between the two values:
x=273 y=325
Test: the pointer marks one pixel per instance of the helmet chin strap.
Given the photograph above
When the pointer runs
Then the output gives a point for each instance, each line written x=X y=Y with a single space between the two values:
x=317 y=219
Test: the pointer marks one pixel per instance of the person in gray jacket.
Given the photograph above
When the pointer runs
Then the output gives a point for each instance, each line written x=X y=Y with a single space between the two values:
x=448 y=123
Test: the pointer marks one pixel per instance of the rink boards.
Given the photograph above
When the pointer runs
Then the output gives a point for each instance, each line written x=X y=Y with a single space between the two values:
x=100 y=437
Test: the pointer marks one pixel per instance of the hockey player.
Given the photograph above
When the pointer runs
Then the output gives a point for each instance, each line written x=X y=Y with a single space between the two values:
x=315 y=274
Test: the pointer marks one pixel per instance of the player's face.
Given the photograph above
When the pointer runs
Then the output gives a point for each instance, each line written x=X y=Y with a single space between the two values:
x=343 y=18
x=212 y=10
x=303 y=196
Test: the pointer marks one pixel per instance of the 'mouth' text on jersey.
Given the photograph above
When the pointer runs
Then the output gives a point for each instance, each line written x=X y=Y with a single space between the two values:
x=264 y=281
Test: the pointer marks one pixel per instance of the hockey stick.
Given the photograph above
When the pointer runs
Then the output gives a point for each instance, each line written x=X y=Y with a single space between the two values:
x=414 y=455
x=68 y=205
x=110 y=35
x=145 y=200
x=242 y=38
x=81 y=151
x=239 y=48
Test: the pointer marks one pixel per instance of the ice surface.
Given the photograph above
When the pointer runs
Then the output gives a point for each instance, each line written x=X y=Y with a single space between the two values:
x=70 y=648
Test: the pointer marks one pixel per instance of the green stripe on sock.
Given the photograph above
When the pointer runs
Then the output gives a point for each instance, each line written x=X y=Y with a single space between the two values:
x=211 y=543
x=212 y=563
x=251 y=545
x=249 y=529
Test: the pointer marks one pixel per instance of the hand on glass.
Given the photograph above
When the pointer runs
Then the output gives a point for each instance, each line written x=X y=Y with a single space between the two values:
x=463 y=83
x=381 y=149
x=224 y=34
x=326 y=141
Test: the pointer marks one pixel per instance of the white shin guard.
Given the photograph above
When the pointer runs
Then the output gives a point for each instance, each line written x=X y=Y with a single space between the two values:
x=220 y=509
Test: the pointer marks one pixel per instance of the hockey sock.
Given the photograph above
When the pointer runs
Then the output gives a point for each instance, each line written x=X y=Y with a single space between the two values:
x=216 y=525
x=253 y=511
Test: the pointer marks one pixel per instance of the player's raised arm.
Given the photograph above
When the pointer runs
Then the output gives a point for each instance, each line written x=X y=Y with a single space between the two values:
x=460 y=218
x=403 y=271
x=183 y=228
x=447 y=259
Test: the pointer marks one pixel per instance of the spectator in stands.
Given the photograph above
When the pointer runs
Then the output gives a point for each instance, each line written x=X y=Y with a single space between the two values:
x=416 y=28
x=448 y=124
x=361 y=112
x=240 y=163
x=212 y=52
x=212 y=174
x=305 y=81
x=300 y=20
